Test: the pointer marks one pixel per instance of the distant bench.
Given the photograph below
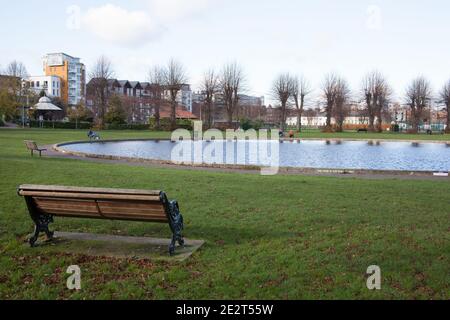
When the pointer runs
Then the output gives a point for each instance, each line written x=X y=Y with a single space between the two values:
x=46 y=202
x=32 y=146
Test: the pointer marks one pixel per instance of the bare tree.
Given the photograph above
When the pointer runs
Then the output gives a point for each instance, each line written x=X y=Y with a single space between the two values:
x=282 y=91
x=376 y=92
x=16 y=69
x=342 y=97
x=418 y=97
x=300 y=89
x=210 y=86
x=175 y=77
x=231 y=84
x=156 y=78
x=445 y=96
x=329 y=86
x=101 y=72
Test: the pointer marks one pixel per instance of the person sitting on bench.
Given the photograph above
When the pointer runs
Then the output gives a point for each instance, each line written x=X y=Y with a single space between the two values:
x=93 y=136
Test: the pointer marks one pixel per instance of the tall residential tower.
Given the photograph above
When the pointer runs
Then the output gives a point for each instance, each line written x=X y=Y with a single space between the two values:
x=72 y=74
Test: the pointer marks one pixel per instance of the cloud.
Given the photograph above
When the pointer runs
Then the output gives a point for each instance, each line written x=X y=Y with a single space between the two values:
x=117 y=25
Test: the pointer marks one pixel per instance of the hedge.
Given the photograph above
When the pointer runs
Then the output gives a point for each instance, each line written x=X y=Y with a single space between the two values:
x=60 y=125
x=164 y=124
x=113 y=126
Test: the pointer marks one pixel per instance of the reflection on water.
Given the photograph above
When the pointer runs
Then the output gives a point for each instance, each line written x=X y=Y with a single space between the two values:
x=305 y=154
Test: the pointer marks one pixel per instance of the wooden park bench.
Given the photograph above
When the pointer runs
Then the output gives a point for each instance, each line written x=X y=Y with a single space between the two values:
x=32 y=146
x=46 y=202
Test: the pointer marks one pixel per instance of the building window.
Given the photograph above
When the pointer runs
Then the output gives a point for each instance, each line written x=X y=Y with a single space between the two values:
x=32 y=84
x=38 y=84
x=54 y=92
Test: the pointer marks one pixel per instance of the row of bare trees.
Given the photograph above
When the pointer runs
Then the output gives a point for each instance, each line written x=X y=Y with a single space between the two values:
x=170 y=77
x=290 y=91
x=376 y=93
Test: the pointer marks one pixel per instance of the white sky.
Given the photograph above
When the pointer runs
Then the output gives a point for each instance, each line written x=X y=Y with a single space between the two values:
x=401 y=38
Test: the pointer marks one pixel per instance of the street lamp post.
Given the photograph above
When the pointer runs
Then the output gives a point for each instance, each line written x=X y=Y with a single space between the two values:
x=24 y=106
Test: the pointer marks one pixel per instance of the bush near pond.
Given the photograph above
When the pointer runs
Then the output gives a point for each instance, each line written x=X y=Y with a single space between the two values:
x=164 y=124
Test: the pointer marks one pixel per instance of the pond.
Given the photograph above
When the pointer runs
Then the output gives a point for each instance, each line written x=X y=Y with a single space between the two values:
x=366 y=155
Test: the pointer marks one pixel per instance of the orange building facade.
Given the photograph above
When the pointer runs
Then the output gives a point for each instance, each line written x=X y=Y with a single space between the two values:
x=72 y=74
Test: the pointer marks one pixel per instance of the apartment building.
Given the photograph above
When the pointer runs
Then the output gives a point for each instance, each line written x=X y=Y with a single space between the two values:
x=184 y=97
x=51 y=85
x=72 y=74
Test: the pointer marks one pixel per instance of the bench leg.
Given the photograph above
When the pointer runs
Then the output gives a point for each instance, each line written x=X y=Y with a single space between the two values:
x=172 y=245
x=35 y=236
x=177 y=235
x=42 y=226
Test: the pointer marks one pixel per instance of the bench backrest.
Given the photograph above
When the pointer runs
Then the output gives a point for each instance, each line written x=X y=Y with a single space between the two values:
x=31 y=145
x=113 y=204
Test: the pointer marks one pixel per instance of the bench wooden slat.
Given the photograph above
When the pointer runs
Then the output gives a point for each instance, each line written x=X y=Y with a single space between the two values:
x=100 y=196
x=135 y=204
x=103 y=211
x=31 y=187
x=73 y=213
x=48 y=208
x=105 y=207
x=122 y=204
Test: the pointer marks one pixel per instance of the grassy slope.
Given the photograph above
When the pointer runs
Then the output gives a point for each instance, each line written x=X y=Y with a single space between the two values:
x=267 y=237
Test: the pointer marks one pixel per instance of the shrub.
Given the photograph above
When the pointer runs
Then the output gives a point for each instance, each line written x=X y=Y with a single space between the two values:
x=164 y=124
x=116 y=114
x=247 y=124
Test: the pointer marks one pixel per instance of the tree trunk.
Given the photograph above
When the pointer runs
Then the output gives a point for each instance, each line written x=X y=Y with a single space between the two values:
x=173 y=114
x=283 y=117
x=371 y=127
x=447 y=130
x=299 y=122
x=379 y=124
x=414 y=122
x=157 y=117
x=328 y=127
x=230 y=117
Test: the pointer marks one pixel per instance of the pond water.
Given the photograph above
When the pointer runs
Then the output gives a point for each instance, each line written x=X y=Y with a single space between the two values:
x=403 y=156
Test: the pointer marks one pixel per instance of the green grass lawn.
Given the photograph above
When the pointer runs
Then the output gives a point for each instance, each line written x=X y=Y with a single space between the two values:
x=280 y=237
